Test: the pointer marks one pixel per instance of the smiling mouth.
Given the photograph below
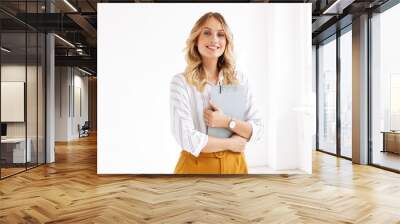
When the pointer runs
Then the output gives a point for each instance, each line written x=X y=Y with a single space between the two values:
x=212 y=47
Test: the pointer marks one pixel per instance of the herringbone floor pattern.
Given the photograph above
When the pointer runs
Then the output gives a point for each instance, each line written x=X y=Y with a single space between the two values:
x=70 y=191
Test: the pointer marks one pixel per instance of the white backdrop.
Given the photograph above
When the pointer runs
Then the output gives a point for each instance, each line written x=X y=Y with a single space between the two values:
x=140 y=48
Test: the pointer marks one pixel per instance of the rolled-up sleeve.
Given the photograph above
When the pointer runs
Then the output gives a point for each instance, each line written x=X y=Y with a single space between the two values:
x=253 y=115
x=182 y=125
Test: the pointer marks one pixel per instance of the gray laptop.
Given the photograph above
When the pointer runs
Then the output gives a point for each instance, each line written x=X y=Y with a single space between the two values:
x=232 y=100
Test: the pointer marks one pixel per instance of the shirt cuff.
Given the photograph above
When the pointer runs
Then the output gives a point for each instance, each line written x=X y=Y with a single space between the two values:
x=203 y=140
x=256 y=132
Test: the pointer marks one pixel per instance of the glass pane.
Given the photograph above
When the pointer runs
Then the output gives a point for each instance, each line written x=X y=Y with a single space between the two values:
x=31 y=85
x=41 y=98
x=327 y=96
x=386 y=89
x=13 y=86
x=346 y=93
x=31 y=101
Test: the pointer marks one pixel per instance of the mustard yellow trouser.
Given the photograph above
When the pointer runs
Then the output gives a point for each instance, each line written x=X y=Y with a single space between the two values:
x=224 y=162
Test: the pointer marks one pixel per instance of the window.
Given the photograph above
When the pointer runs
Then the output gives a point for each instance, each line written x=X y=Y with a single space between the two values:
x=346 y=93
x=327 y=96
x=385 y=89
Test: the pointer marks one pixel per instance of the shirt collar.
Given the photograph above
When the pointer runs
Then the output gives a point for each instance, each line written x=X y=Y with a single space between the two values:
x=220 y=79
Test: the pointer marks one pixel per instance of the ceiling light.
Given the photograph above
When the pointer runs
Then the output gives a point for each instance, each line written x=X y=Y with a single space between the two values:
x=70 y=5
x=86 y=72
x=64 y=40
x=5 y=50
x=338 y=6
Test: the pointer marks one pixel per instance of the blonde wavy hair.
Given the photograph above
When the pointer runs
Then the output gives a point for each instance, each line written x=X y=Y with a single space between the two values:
x=194 y=72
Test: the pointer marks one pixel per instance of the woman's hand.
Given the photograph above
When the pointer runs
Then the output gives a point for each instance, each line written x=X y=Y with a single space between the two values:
x=215 y=117
x=237 y=143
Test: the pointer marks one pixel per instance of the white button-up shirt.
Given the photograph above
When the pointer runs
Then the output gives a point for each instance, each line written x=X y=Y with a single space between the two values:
x=187 y=105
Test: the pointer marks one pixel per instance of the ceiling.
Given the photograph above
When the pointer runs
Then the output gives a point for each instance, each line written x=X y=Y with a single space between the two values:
x=76 y=22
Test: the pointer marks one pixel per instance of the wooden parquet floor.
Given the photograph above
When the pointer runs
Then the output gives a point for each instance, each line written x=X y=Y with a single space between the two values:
x=70 y=191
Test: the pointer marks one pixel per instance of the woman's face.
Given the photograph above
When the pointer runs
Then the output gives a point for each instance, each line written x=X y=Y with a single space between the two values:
x=212 y=41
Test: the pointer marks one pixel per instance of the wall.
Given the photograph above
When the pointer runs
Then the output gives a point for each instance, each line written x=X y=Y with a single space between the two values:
x=62 y=80
x=71 y=102
x=80 y=109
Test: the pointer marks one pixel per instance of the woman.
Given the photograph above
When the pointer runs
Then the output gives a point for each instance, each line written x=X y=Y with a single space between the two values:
x=209 y=56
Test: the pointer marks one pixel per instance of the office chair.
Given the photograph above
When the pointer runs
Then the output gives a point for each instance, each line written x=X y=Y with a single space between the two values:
x=84 y=130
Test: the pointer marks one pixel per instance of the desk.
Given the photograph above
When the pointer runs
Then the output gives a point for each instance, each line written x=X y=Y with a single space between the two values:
x=391 y=141
x=15 y=148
